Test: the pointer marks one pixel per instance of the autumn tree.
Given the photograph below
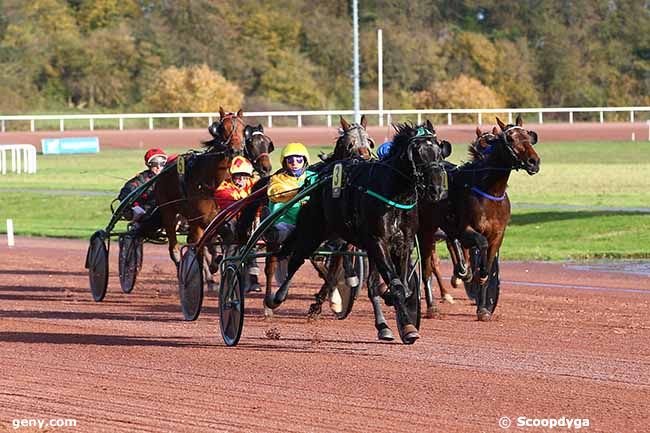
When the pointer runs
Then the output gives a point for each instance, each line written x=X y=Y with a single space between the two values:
x=193 y=89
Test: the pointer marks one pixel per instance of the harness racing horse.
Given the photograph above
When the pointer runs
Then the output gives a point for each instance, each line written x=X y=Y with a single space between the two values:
x=353 y=141
x=188 y=191
x=477 y=210
x=376 y=212
x=257 y=148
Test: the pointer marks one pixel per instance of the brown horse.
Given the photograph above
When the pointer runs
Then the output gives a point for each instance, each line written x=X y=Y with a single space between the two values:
x=188 y=190
x=478 y=209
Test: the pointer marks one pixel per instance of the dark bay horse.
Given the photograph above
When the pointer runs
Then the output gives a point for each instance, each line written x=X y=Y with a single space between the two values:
x=188 y=190
x=477 y=209
x=353 y=141
x=375 y=212
x=257 y=148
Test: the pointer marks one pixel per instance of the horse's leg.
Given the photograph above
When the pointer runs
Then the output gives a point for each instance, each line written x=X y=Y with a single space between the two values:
x=427 y=252
x=462 y=272
x=270 y=264
x=472 y=238
x=315 y=309
x=383 y=330
x=169 y=223
x=303 y=247
x=378 y=253
x=435 y=266
x=482 y=311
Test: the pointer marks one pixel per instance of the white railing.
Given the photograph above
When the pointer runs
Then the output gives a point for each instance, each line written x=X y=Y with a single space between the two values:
x=382 y=115
x=24 y=152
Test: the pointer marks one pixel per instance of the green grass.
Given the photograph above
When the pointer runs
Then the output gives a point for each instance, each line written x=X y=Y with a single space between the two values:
x=575 y=174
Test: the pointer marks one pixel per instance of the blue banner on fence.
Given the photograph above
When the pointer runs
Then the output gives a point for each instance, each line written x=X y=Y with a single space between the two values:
x=70 y=145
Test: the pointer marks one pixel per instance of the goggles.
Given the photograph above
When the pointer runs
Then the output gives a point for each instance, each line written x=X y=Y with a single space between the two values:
x=295 y=159
x=157 y=162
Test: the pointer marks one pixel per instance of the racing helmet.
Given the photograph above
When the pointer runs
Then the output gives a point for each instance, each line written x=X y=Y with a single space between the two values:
x=155 y=154
x=241 y=165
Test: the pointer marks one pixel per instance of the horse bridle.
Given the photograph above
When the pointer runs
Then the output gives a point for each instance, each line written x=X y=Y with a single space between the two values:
x=254 y=159
x=509 y=142
x=420 y=169
x=236 y=120
x=359 y=141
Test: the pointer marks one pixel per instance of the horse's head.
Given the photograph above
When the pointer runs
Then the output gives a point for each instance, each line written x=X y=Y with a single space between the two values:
x=519 y=145
x=353 y=140
x=421 y=149
x=228 y=131
x=257 y=149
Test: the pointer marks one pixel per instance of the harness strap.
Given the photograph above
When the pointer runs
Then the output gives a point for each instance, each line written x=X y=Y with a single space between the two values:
x=488 y=196
x=386 y=200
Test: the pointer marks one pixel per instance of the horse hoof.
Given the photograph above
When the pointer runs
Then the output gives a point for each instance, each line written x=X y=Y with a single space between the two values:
x=270 y=303
x=455 y=281
x=448 y=298
x=432 y=312
x=409 y=334
x=484 y=315
x=314 y=312
x=268 y=313
x=385 y=334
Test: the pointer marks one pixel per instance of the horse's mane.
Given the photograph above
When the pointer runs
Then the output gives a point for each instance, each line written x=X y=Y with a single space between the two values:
x=403 y=134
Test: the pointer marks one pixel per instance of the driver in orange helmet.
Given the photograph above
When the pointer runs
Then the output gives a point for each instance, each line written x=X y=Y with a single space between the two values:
x=229 y=191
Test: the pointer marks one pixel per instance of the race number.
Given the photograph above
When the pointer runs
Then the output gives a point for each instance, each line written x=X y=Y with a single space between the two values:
x=337 y=180
x=180 y=165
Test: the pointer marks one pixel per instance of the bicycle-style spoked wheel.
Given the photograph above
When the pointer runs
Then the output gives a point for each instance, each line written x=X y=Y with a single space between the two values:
x=231 y=305
x=129 y=263
x=97 y=264
x=190 y=283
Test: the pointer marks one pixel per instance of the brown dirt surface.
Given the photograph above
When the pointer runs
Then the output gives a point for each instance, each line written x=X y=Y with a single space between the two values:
x=323 y=135
x=563 y=343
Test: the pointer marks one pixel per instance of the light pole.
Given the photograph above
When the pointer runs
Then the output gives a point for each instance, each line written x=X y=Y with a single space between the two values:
x=355 y=49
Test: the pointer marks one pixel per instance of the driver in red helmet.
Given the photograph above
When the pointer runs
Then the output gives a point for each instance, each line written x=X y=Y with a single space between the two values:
x=155 y=159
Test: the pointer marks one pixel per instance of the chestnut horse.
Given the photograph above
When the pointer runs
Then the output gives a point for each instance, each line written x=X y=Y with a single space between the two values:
x=477 y=210
x=188 y=190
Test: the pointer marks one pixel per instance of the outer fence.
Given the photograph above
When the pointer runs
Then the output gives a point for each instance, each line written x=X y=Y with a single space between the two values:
x=23 y=158
x=382 y=115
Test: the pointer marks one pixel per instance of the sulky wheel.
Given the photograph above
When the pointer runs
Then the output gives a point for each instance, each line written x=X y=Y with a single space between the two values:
x=190 y=283
x=130 y=260
x=97 y=264
x=231 y=305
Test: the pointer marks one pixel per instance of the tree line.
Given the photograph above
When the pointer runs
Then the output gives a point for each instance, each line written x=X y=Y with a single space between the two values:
x=193 y=55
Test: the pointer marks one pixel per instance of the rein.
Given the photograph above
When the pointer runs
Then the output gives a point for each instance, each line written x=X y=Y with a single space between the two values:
x=388 y=201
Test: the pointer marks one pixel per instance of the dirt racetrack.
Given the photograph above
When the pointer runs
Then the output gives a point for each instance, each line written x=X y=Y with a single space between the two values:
x=564 y=343
x=322 y=135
